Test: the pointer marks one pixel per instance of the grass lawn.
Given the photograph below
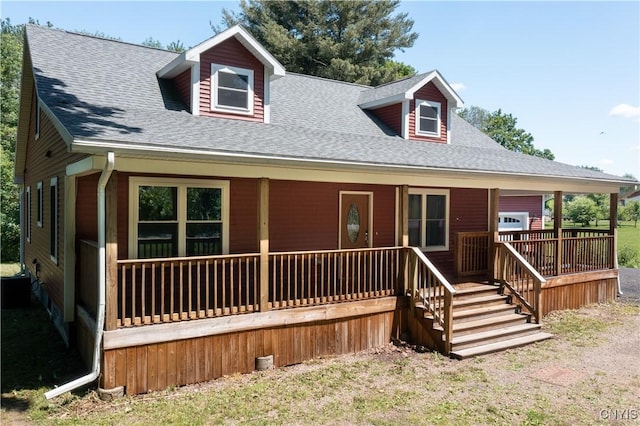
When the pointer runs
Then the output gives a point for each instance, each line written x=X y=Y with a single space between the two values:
x=628 y=234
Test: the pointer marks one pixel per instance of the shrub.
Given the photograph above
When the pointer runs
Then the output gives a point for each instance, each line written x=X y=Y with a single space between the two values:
x=628 y=257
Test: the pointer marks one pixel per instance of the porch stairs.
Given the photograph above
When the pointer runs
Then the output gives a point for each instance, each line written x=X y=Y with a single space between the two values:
x=484 y=321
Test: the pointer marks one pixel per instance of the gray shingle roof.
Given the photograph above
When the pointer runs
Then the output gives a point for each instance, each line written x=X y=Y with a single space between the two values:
x=108 y=90
x=390 y=89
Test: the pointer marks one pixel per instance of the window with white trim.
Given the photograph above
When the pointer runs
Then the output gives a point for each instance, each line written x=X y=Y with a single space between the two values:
x=231 y=89
x=39 y=205
x=428 y=218
x=428 y=118
x=53 y=211
x=27 y=212
x=177 y=217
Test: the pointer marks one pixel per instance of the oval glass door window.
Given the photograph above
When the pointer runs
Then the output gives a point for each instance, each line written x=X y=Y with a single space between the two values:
x=353 y=223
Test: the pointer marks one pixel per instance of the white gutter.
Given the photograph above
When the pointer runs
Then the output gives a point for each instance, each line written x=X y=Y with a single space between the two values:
x=95 y=372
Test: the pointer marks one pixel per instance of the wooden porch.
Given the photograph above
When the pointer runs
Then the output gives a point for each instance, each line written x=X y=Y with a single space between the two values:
x=219 y=313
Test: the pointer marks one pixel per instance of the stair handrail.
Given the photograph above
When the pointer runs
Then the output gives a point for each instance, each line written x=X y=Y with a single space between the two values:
x=442 y=314
x=506 y=253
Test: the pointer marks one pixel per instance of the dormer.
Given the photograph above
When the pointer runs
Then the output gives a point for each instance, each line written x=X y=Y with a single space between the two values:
x=417 y=108
x=226 y=76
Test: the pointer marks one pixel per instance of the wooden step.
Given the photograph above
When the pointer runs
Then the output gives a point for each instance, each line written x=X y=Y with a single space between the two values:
x=477 y=313
x=476 y=290
x=500 y=346
x=491 y=336
x=477 y=302
x=485 y=324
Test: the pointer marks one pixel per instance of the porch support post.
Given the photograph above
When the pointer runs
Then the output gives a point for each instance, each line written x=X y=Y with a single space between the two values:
x=263 y=231
x=613 y=228
x=494 y=237
x=403 y=219
x=557 y=229
x=111 y=253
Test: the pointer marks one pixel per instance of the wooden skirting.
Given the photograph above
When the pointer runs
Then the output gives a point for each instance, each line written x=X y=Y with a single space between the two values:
x=85 y=335
x=294 y=336
x=577 y=290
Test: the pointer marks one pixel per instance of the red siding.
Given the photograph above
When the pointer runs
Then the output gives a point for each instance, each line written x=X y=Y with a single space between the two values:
x=243 y=212
x=305 y=215
x=183 y=85
x=391 y=115
x=87 y=208
x=468 y=212
x=524 y=203
x=47 y=157
x=231 y=52
x=429 y=93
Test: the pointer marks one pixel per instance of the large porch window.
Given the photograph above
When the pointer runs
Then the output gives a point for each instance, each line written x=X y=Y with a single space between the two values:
x=177 y=217
x=428 y=223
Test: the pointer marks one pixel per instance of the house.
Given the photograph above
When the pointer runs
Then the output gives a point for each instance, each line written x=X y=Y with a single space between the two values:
x=187 y=214
x=521 y=212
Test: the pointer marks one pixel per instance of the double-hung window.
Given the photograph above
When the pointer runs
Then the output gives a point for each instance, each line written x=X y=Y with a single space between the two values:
x=39 y=205
x=232 y=89
x=428 y=218
x=178 y=217
x=428 y=118
x=53 y=211
x=27 y=220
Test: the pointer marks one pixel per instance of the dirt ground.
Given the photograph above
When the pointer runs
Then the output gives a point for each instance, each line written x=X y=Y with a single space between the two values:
x=588 y=374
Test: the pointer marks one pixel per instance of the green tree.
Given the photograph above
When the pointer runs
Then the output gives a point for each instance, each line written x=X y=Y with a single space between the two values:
x=176 y=46
x=10 y=75
x=602 y=206
x=151 y=42
x=631 y=211
x=351 y=41
x=581 y=210
x=501 y=127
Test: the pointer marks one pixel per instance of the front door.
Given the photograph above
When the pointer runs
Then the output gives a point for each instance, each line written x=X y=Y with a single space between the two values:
x=354 y=220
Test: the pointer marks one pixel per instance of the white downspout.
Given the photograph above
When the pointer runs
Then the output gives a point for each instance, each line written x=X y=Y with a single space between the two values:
x=95 y=372
x=22 y=229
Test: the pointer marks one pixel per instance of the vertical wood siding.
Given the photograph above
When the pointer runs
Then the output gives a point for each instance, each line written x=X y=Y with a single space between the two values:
x=467 y=213
x=524 y=203
x=576 y=295
x=155 y=366
x=47 y=157
x=391 y=115
x=231 y=52
x=429 y=93
x=182 y=84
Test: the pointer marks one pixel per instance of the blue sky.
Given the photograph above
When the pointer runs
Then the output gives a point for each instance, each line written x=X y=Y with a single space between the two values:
x=569 y=71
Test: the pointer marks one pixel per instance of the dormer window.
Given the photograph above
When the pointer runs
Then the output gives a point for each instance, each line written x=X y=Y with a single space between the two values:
x=232 y=89
x=428 y=118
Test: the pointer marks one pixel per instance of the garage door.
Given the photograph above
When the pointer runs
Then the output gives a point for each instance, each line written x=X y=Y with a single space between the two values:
x=513 y=221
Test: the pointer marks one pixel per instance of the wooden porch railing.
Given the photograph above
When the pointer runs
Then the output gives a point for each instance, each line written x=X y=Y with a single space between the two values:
x=319 y=277
x=579 y=250
x=583 y=254
x=154 y=291
x=472 y=253
x=429 y=287
x=519 y=277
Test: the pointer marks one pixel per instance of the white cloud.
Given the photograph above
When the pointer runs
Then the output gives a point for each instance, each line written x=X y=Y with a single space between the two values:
x=625 y=110
x=458 y=87
x=606 y=162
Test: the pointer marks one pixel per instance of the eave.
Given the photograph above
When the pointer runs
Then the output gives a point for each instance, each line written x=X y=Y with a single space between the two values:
x=186 y=59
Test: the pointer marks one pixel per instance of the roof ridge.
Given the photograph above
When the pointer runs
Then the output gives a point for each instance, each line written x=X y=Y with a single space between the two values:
x=329 y=79
x=97 y=37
